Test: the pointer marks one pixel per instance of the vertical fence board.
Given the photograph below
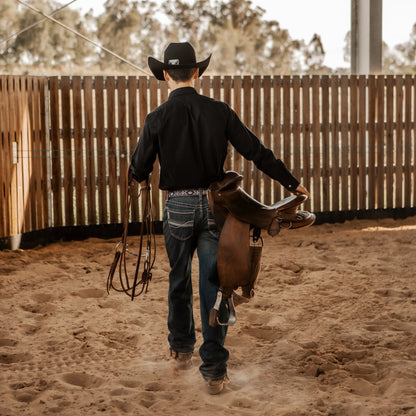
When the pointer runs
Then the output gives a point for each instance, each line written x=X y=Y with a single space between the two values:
x=353 y=149
x=30 y=170
x=306 y=134
x=257 y=131
x=414 y=141
x=46 y=151
x=227 y=89
x=8 y=138
x=101 y=152
x=277 y=130
x=133 y=135
x=9 y=158
x=78 y=151
x=287 y=134
x=389 y=149
x=90 y=152
x=316 y=137
x=371 y=141
x=4 y=161
x=296 y=168
x=38 y=154
x=21 y=141
x=325 y=144
x=55 y=152
x=67 y=150
x=15 y=183
x=407 y=140
x=3 y=184
x=267 y=85
x=142 y=100
x=399 y=143
x=11 y=139
x=335 y=160
x=345 y=147
x=379 y=145
x=112 y=149
x=23 y=151
x=236 y=165
x=362 y=146
x=206 y=85
x=36 y=172
x=247 y=121
x=17 y=173
x=216 y=87
x=29 y=193
x=122 y=141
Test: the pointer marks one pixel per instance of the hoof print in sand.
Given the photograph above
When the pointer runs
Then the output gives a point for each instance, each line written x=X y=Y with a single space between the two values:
x=5 y=342
x=90 y=293
x=82 y=380
x=14 y=358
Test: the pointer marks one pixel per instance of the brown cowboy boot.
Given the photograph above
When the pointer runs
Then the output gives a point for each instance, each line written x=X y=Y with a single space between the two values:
x=181 y=360
x=216 y=386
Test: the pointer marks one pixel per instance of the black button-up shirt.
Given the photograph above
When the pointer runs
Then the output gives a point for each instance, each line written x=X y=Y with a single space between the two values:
x=190 y=134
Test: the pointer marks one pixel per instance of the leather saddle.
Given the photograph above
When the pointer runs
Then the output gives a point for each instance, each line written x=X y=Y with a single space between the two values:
x=240 y=218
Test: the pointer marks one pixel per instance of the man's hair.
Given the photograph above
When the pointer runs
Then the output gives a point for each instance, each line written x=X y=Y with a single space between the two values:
x=181 y=74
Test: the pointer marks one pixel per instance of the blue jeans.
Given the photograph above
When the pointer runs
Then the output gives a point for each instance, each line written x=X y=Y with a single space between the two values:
x=188 y=225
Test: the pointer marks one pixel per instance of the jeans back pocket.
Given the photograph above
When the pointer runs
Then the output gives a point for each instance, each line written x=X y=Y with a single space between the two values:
x=180 y=221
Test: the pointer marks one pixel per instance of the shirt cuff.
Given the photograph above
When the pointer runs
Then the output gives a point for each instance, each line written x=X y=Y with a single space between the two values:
x=291 y=187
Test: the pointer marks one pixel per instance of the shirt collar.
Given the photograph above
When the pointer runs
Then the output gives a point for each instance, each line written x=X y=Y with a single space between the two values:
x=182 y=91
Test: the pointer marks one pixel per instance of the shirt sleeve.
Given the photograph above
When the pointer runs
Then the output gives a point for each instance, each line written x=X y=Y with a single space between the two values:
x=249 y=146
x=144 y=154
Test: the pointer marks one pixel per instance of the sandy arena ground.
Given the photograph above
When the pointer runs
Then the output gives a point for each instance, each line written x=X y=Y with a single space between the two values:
x=331 y=331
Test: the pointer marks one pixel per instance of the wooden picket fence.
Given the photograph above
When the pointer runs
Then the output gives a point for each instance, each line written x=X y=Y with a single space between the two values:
x=66 y=142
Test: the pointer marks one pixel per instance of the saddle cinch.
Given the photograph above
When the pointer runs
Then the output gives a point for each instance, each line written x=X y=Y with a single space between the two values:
x=237 y=214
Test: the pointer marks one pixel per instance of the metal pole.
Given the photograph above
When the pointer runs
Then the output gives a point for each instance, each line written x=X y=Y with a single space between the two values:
x=366 y=36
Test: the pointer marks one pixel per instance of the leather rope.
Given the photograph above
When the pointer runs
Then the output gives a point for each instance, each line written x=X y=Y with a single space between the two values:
x=147 y=245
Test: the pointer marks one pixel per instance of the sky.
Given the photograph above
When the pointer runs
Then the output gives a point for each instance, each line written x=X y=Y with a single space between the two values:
x=328 y=18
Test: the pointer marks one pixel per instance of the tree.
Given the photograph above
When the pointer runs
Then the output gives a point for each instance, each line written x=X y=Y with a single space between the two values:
x=46 y=45
x=406 y=54
x=128 y=29
x=235 y=32
x=314 y=55
x=8 y=25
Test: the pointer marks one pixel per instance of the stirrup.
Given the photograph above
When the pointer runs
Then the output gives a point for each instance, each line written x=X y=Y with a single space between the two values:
x=214 y=313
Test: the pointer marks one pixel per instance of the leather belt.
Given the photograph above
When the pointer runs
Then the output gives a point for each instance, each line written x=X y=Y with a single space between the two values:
x=187 y=192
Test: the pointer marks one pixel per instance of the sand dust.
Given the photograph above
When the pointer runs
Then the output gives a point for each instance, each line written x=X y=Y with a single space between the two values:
x=331 y=331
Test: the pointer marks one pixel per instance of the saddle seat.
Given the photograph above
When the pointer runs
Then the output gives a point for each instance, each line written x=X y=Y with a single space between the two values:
x=227 y=196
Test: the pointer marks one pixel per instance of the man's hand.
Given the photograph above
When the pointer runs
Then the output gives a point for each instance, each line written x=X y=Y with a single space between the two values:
x=302 y=190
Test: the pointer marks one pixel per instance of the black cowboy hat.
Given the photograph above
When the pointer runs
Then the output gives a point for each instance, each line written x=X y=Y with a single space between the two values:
x=177 y=55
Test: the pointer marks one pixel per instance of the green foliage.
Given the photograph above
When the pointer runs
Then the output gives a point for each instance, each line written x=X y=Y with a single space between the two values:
x=236 y=32
x=402 y=59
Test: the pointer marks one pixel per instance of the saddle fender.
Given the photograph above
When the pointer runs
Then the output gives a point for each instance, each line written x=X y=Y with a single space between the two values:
x=236 y=213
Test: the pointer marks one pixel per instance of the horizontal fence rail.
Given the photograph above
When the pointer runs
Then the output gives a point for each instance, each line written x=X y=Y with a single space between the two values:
x=66 y=143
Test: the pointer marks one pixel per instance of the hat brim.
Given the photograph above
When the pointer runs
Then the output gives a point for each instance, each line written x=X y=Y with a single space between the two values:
x=157 y=67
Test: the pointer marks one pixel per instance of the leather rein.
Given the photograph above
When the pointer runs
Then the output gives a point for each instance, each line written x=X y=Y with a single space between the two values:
x=147 y=248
